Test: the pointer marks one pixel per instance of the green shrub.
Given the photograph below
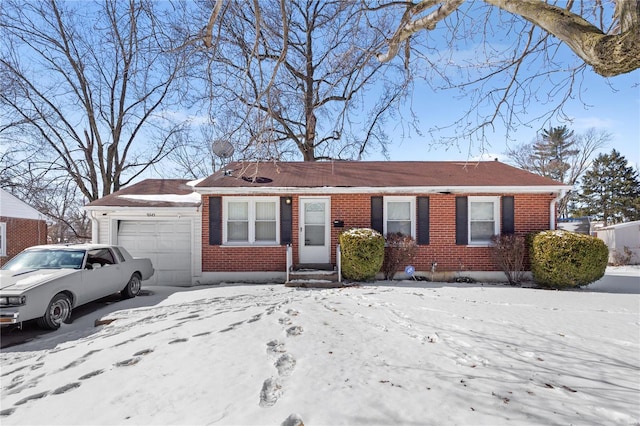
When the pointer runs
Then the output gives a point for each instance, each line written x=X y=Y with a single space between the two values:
x=567 y=259
x=362 y=253
x=400 y=250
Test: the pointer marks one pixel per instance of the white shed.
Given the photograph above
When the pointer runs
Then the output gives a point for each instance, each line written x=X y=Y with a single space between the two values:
x=156 y=218
x=622 y=238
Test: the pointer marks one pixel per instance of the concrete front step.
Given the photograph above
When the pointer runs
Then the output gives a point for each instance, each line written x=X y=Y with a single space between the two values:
x=308 y=277
x=314 y=284
x=313 y=274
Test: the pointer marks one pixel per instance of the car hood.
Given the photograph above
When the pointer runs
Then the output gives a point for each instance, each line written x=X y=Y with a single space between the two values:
x=25 y=279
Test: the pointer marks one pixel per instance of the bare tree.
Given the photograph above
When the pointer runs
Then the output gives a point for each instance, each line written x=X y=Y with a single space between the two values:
x=610 y=48
x=52 y=192
x=567 y=167
x=502 y=56
x=505 y=57
x=91 y=85
x=295 y=78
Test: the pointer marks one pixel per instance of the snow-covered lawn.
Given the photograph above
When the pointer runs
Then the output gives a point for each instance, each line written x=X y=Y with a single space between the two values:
x=389 y=353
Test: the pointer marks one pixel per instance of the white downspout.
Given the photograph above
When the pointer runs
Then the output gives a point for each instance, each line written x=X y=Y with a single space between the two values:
x=552 y=209
x=94 y=228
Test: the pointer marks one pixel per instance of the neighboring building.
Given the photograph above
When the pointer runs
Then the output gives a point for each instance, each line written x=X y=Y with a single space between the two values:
x=250 y=214
x=581 y=225
x=623 y=240
x=21 y=226
x=156 y=218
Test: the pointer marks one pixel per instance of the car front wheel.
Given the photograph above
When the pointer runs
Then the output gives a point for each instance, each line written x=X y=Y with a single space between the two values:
x=133 y=287
x=58 y=311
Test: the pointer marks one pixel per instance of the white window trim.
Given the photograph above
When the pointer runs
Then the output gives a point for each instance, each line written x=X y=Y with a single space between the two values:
x=252 y=220
x=497 y=220
x=3 y=239
x=412 y=209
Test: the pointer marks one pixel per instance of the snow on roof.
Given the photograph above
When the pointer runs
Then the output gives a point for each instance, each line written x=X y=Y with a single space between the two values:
x=194 y=197
x=152 y=193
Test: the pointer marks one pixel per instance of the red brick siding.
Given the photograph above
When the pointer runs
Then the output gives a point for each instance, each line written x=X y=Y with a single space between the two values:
x=22 y=233
x=531 y=214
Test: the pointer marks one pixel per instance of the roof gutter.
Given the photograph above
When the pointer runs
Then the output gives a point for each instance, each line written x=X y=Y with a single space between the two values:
x=255 y=190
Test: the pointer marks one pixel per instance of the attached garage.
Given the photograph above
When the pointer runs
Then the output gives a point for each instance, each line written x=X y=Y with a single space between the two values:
x=166 y=242
x=156 y=218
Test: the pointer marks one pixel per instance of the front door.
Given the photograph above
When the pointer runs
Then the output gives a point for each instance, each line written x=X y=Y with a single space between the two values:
x=315 y=232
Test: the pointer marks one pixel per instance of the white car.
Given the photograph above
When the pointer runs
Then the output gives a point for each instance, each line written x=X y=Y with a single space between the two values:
x=47 y=282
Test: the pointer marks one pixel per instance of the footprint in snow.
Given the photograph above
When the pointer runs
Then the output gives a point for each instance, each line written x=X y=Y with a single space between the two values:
x=275 y=347
x=296 y=330
x=90 y=375
x=285 y=320
x=32 y=397
x=271 y=391
x=293 y=420
x=127 y=362
x=285 y=364
x=66 y=388
x=231 y=327
x=15 y=382
x=188 y=317
x=255 y=318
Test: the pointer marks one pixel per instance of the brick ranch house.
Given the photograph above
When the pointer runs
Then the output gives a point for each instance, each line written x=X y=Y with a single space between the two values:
x=21 y=226
x=244 y=219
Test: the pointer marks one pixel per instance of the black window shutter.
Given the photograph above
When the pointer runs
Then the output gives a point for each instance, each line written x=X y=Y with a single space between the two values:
x=215 y=221
x=286 y=220
x=376 y=214
x=461 y=221
x=423 y=221
x=508 y=215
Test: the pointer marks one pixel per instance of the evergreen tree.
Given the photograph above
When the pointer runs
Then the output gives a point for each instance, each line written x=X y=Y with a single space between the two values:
x=611 y=190
x=551 y=153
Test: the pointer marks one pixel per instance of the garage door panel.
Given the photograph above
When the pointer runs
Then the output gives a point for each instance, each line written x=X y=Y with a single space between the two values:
x=166 y=242
x=137 y=227
x=173 y=226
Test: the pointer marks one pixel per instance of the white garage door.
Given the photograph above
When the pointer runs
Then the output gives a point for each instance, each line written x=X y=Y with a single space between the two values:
x=166 y=242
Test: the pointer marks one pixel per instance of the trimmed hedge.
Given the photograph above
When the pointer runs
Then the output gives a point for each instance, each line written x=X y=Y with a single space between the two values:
x=362 y=253
x=561 y=259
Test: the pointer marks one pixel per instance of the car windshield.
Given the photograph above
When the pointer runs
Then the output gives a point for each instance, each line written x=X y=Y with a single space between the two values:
x=46 y=259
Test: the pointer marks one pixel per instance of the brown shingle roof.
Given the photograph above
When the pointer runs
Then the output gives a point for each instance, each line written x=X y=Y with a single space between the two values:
x=374 y=174
x=151 y=193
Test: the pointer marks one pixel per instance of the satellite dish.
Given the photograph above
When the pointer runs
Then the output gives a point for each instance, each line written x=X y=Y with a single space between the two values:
x=222 y=148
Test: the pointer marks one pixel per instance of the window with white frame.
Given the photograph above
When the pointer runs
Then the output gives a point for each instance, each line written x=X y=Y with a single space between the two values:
x=400 y=215
x=251 y=220
x=484 y=219
x=3 y=239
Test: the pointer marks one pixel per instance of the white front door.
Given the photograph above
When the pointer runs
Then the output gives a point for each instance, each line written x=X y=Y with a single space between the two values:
x=315 y=232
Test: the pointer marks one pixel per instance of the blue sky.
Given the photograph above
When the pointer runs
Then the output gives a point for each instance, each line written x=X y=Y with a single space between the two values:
x=611 y=104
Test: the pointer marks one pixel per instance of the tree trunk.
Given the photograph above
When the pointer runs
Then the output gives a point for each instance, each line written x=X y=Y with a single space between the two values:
x=609 y=55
